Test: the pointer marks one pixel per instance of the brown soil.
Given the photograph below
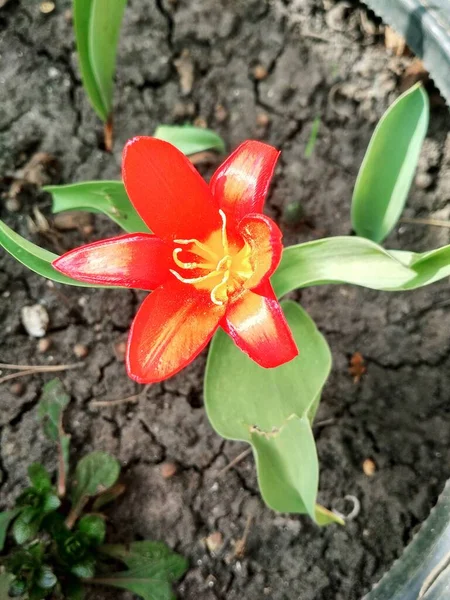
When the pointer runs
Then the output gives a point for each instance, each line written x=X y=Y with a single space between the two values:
x=310 y=59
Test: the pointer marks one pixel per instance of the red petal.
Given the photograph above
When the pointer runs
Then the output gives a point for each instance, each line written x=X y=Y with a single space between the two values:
x=137 y=260
x=264 y=238
x=240 y=184
x=167 y=192
x=258 y=327
x=171 y=328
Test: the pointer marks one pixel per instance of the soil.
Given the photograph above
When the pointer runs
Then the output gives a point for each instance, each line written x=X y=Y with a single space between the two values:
x=248 y=69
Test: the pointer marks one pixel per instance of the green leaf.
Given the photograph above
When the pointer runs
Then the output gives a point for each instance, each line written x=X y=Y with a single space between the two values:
x=287 y=465
x=94 y=474
x=360 y=262
x=84 y=569
x=388 y=168
x=51 y=502
x=35 y=258
x=52 y=404
x=94 y=528
x=152 y=568
x=39 y=477
x=189 y=139
x=97 y=28
x=423 y=569
x=271 y=409
x=5 y=521
x=46 y=579
x=26 y=525
x=108 y=197
x=313 y=137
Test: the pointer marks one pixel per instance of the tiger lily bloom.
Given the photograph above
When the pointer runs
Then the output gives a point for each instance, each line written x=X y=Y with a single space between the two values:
x=208 y=259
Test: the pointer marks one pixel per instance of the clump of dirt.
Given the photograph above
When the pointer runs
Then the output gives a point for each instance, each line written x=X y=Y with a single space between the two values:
x=255 y=69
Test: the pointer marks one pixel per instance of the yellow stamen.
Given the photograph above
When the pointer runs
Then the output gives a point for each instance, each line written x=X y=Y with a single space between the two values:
x=190 y=265
x=199 y=245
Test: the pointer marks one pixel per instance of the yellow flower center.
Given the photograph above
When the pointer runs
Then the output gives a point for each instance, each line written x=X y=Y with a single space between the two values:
x=227 y=266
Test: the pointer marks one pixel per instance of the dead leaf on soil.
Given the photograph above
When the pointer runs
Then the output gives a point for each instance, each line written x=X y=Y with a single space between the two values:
x=414 y=73
x=357 y=367
x=395 y=42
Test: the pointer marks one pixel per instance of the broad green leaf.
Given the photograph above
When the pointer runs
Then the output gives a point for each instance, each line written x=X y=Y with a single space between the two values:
x=84 y=569
x=189 y=139
x=246 y=402
x=5 y=521
x=94 y=474
x=388 y=168
x=287 y=465
x=423 y=569
x=26 y=525
x=108 y=197
x=35 y=258
x=152 y=568
x=52 y=404
x=93 y=527
x=46 y=579
x=97 y=28
x=39 y=477
x=360 y=262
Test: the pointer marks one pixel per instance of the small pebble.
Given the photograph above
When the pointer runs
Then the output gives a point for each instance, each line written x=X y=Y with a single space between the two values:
x=369 y=467
x=80 y=350
x=12 y=204
x=200 y=122
x=214 y=541
x=221 y=113
x=262 y=119
x=44 y=344
x=17 y=388
x=424 y=181
x=35 y=319
x=47 y=7
x=120 y=349
x=260 y=72
x=168 y=469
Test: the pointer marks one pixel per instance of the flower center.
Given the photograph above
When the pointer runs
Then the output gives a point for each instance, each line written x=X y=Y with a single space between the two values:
x=227 y=266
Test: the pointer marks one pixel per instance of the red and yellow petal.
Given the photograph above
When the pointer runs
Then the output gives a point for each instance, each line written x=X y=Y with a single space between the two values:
x=259 y=328
x=172 y=326
x=263 y=238
x=137 y=260
x=241 y=183
x=167 y=192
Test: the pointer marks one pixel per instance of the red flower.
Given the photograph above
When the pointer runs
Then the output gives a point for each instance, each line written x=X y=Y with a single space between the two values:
x=209 y=260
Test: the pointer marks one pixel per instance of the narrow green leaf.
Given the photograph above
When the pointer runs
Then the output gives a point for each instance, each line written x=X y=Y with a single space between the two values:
x=422 y=570
x=5 y=521
x=388 y=168
x=152 y=568
x=108 y=197
x=35 y=258
x=269 y=408
x=94 y=474
x=189 y=139
x=97 y=28
x=52 y=404
x=313 y=137
x=325 y=516
x=360 y=262
x=288 y=469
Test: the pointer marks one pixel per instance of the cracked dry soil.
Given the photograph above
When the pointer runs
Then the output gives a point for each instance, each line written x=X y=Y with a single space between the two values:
x=249 y=69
